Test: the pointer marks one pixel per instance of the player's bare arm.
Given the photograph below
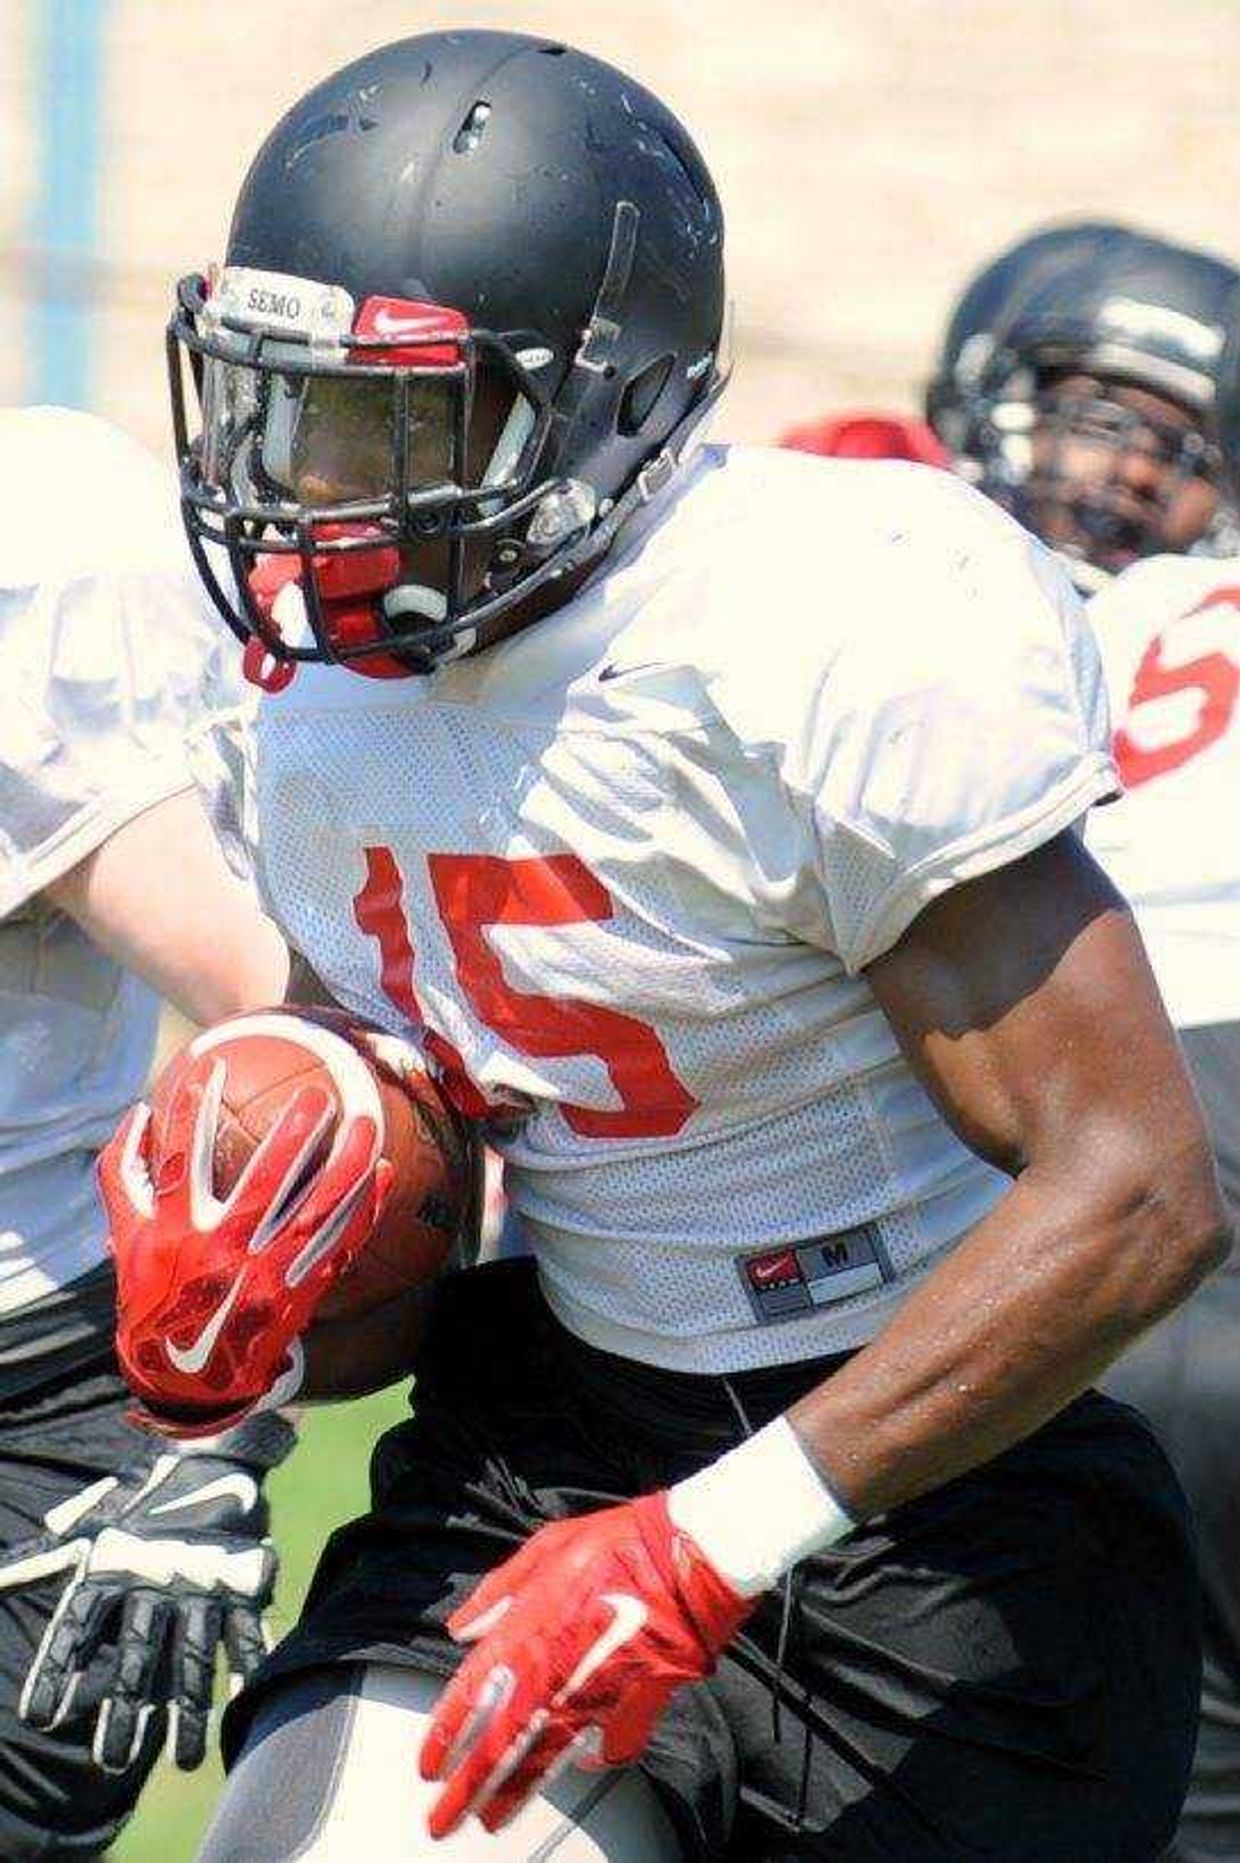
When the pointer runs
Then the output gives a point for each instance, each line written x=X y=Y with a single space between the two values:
x=353 y=1356
x=160 y=898
x=1026 y=1004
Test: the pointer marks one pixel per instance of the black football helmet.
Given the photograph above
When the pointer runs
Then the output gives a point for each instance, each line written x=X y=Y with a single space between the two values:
x=1099 y=300
x=470 y=314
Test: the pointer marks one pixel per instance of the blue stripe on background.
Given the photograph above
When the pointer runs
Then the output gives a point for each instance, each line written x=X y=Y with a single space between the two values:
x=68 y=101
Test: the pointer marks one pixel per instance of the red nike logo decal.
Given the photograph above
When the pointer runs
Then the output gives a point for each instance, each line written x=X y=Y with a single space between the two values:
x=387 y=325
x=783 y=1267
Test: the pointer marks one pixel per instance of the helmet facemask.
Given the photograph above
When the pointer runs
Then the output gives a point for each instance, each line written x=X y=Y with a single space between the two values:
x=373 y=479
x=1099 y=479
x=422 y=485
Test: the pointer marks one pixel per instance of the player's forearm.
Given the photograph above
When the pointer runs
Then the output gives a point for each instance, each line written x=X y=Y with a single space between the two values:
x=159 y=897
x=351 y=1357
x=1068 y=1268
x=217 y=962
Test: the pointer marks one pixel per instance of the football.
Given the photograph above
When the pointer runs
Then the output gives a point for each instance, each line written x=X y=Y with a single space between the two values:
x=432 y=1199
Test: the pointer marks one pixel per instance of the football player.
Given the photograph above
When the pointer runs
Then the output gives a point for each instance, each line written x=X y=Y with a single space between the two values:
x=711 y=816
x=1147 y=324
x=123 y=1562
x=1075 y=386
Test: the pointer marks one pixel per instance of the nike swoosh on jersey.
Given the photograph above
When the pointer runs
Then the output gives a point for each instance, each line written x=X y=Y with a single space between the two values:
x=629 y=1616
x=191 y=1358
x=782 y=1268
x=621 y=672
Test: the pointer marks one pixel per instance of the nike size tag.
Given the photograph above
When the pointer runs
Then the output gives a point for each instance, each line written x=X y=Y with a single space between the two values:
x=785 y=1283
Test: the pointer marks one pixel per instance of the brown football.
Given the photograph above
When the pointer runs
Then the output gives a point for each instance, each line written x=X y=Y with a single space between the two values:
x=432 y=1154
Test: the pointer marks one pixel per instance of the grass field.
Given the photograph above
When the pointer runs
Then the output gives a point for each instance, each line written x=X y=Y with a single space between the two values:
x=323 y=1483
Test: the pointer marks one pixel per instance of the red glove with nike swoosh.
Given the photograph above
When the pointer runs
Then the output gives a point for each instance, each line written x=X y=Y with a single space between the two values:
x=582 y=1638
x=213 y=1292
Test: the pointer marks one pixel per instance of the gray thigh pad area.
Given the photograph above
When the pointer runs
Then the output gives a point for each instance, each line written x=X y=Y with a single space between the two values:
x=281 y=1789
x=329 y=1774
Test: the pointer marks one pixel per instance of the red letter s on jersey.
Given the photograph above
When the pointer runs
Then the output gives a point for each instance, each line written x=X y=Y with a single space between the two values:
x=1216 y=676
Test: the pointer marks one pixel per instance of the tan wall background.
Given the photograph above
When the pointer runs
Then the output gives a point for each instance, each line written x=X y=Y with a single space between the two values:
x=869 y=153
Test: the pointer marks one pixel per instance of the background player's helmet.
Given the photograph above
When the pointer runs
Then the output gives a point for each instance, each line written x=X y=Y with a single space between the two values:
x=469 y=317
x=1124 y=309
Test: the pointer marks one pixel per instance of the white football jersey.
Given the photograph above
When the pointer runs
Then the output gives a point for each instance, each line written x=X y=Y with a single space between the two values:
x=1169 y=632
x=625 y=870
x=117 y=689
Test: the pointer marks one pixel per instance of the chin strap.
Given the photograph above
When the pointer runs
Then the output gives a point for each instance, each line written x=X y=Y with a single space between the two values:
x=458 y=638
x=262 y=669
x=350 y=587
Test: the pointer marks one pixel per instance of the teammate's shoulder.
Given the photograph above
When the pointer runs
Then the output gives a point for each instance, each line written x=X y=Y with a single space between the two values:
x=81 y=496
x=1159 y=585
x=99 y=604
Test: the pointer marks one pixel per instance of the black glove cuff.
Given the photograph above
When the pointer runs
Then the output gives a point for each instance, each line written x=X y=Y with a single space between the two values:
x=261 y=1441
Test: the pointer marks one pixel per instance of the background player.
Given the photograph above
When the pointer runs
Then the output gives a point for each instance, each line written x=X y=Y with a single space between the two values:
x=123 y=1564
x=1076 y=387
x=671 y=892
x=1098 y=318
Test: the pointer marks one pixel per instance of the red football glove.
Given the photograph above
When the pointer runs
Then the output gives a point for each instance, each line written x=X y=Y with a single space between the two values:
x=212 y=1292
x=582 y=1638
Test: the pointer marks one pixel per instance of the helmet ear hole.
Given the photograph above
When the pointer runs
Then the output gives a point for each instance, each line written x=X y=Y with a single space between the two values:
x=637 y=401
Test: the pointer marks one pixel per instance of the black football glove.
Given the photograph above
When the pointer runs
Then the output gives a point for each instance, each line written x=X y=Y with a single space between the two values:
x=166 y=1560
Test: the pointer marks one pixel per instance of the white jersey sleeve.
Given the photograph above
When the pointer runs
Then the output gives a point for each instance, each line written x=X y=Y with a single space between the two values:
x=955 y=723
x=115 y=693
x=117 y=690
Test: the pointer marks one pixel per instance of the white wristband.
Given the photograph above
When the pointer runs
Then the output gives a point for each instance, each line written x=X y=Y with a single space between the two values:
x=759 y=1509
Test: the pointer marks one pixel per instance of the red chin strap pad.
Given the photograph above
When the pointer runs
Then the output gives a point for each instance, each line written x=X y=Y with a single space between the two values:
x=350 y=584
x=869 y=436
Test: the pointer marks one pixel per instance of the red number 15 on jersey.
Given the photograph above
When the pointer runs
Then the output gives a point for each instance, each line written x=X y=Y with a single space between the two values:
x=475 y=891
